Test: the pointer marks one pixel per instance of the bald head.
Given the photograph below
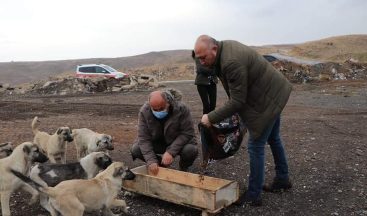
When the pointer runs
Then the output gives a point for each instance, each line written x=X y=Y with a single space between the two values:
x=206 y=50
x=204 y=41
x=157 y=101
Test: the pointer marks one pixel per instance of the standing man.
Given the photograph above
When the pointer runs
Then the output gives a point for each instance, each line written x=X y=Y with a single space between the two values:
x=206 y=83
x=258 y=93
x=165 y=127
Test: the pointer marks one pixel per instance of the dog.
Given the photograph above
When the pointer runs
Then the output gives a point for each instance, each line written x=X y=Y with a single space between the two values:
x=52 y=174
x=21 y=160
x=5 y=149
x=87 y=141
x=73 y=197
x=53 y=145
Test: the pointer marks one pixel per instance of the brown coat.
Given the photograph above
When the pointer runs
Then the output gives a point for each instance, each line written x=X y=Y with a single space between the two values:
x=257 y=91
x=176 y=131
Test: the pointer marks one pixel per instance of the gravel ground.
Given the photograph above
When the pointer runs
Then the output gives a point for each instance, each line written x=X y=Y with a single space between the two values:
x=322 y=128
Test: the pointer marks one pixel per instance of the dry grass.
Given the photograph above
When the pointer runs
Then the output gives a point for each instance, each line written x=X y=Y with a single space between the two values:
x=337 y=49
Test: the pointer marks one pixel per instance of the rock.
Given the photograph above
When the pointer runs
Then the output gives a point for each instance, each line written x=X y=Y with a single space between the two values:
x=359 y=152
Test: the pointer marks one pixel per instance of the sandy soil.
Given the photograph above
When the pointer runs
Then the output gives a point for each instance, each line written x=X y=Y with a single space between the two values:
x=322 y=128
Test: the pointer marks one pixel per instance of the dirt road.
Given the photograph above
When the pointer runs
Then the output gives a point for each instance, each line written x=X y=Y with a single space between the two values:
x=322 y=127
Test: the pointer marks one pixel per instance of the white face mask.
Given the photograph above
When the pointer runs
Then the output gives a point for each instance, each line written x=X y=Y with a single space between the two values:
x=160 y=114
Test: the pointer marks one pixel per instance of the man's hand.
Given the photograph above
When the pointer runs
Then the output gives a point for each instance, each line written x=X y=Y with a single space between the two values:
x=167 y=159
x=153 y=168
x=205 y=120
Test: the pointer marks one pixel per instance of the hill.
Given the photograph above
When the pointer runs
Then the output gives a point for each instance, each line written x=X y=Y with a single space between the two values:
x=20 y=72
x=177 y=64
x=337 y=49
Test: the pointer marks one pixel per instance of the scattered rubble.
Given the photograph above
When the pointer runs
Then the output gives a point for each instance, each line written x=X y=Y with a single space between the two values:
x=298 y=73
x=73 y=85
x=145 y=79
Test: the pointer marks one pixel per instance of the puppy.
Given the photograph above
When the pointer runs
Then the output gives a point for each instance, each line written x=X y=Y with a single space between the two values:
x=52 y=174
x=73 y=197
x=54 y=145
x=5 y=149
x=87 y=141
x=21 y=160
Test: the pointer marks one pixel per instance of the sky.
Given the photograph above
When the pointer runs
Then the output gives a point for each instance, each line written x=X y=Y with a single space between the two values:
x=39 y=30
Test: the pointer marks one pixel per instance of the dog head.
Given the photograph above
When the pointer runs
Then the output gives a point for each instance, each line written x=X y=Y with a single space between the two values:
x=6 y=149
x=105 y=142
x=32 y=153
x=102 y=160
x=121 y=171
x=65 y=133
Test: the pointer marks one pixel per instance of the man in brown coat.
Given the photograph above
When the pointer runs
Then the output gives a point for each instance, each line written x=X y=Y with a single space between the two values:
x=165 y=127
x=258 y=93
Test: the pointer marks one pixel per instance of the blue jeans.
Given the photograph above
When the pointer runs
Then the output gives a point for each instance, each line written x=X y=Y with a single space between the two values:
x=256 y=150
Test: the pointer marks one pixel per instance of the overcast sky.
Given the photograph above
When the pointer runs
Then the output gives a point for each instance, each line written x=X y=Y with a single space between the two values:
x=36 y=30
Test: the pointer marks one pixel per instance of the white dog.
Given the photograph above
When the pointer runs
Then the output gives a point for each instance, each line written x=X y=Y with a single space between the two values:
x=87 y=141
x=54 y=145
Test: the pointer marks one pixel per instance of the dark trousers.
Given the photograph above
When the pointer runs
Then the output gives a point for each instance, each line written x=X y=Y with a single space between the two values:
x=208 y=95
x=188 y=153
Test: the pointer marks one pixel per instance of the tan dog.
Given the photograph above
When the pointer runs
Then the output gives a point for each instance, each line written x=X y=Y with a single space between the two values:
x=5 y=149
x=73 y=197
x=54 y=145
x=52 y=174
x=21 y=160
x=87 y=141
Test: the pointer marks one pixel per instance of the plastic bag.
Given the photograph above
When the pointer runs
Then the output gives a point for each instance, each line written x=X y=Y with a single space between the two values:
x=223 y=139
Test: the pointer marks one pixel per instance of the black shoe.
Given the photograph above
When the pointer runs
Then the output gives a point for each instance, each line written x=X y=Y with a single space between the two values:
x=247 y=200
x=278 y=185
x=182 y=167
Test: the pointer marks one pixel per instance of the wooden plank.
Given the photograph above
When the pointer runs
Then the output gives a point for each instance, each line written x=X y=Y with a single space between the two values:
x=184 y=188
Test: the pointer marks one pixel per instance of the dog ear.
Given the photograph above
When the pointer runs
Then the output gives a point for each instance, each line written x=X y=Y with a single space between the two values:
x=3 y=144
x=59 y=130
x=26 y=149
x=118 y=171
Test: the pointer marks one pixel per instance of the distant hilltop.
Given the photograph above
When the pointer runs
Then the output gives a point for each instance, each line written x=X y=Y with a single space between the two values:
x=179 y=62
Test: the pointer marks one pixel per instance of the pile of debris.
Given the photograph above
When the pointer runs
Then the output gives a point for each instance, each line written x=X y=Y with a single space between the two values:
x=299 y=73
x=73 y=85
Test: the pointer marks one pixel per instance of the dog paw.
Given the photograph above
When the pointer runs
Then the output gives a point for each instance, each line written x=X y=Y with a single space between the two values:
x=33 y=200
x=125 y=209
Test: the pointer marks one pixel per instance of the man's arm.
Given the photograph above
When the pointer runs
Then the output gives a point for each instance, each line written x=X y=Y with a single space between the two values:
x=187 y=132
x=236 y=76
x=145 y=141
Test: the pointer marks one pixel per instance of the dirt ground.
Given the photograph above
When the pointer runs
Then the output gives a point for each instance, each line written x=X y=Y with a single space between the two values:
x=322 y=128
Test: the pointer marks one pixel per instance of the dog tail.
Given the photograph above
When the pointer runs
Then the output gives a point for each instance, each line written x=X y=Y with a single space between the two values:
x=35 y=124
x=46 y=190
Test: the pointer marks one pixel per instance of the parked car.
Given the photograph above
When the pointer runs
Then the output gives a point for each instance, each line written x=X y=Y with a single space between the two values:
x=98 y=70
x=270 y=58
